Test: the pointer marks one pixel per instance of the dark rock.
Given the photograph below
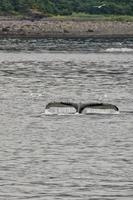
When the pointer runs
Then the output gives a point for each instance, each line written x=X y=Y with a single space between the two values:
x=66 y=31
x=90 y=30
x=5 y=29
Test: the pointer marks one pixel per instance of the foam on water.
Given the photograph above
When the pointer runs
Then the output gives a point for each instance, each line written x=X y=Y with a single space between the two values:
x=111 y=50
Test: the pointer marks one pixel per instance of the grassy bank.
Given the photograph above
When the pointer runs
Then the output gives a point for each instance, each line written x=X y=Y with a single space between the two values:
x=84 y=16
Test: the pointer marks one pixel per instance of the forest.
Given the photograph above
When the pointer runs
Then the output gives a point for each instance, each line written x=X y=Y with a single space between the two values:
x=66 y=7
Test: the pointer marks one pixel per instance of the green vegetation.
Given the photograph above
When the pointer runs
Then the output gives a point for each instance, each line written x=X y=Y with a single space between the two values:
x=98 y=17
x=79 y=8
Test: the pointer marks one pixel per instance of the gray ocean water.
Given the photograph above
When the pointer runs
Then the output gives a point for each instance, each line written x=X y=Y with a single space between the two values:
x=69 y=157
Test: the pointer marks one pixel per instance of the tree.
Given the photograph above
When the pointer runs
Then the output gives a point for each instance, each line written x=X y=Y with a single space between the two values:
x=5 y=5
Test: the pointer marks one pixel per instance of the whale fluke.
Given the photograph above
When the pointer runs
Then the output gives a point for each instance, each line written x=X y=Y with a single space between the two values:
x=62 y=107
x=85 y=108
x=102 y=106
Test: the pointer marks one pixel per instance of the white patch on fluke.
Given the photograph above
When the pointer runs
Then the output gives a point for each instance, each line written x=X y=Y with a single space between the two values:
x=99 y=111
x=60 y=110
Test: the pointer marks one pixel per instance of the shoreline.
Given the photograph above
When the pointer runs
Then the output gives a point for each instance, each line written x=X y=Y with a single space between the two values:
x=58 y=28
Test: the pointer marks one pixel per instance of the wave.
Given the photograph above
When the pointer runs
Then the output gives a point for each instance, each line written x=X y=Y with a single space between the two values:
x=119 y=50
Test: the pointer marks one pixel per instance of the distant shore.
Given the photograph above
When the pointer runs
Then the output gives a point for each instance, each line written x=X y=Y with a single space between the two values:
x=60 y=28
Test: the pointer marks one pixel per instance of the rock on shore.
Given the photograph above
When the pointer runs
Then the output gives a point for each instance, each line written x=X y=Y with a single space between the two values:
x=64 y=28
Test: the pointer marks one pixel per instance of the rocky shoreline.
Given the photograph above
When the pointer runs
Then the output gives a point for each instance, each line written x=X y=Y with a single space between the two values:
x=64 y=28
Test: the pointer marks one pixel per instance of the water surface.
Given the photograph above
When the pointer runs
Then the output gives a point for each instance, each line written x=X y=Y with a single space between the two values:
x=72 y=157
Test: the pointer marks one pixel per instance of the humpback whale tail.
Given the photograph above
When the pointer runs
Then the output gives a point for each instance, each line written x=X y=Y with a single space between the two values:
x=87 y=108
